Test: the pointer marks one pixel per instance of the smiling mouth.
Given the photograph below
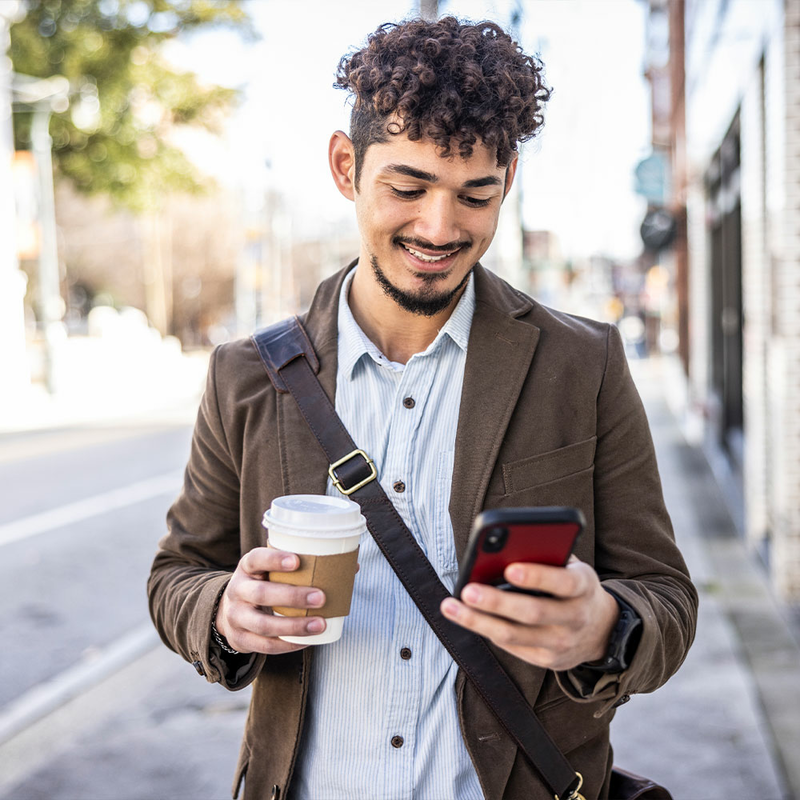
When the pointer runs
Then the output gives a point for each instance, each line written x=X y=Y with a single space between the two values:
x=426 y=258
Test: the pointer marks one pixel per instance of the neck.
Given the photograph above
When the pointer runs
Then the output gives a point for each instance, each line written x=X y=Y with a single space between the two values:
x=397 y=333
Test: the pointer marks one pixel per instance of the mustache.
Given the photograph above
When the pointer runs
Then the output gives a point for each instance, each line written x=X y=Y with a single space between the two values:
x=421 y=243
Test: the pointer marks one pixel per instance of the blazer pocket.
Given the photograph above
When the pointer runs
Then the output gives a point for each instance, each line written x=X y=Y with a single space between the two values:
x=546 y=467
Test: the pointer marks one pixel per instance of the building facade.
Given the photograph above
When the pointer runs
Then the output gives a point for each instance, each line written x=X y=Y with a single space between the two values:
x=736 y=166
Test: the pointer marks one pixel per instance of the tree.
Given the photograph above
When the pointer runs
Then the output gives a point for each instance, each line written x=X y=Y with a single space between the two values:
x=125 y=97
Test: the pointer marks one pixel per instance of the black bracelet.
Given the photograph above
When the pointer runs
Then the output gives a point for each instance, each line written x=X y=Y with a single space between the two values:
x=218 y=637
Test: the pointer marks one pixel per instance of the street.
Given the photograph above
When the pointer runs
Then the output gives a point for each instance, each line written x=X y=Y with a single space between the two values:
x=93 y=706
x=82 y=512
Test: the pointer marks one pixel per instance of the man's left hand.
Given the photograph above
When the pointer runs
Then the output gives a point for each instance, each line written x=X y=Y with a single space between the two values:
x=572 y=627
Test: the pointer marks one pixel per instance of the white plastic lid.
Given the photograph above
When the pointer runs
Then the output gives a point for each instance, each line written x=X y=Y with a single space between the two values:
x=315 y=513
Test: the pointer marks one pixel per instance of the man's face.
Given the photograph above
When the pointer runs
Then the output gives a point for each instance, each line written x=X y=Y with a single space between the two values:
x=426 y=220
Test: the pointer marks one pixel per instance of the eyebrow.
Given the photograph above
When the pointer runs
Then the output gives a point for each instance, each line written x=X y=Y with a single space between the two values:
x=429 y=177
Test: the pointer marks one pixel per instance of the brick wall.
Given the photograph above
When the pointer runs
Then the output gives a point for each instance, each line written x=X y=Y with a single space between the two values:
x=786 y=329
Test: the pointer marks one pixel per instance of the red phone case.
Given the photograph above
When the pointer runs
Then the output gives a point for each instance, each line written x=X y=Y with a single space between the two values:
x=544 y=535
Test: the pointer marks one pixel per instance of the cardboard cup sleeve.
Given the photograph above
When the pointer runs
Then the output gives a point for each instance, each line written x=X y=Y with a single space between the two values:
x=335 y=575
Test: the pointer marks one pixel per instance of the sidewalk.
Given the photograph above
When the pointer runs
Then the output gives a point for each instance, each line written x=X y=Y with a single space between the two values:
x=110 y=381
x=726 y=726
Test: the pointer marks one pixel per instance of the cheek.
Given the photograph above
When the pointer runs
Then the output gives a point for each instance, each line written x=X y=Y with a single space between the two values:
x=376 y=220
x=482 y=235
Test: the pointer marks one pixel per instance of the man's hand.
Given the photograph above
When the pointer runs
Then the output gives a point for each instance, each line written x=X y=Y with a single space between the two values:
x=571 y=628
x=245 y=617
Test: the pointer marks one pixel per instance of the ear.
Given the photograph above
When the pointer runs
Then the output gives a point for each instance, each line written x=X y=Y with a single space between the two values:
x=511 y=171
x=342 y=160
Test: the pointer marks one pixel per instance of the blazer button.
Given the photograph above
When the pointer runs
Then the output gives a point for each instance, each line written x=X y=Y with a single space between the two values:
x=399 y=487
x=397 y=741
x=405 y=654
x=199 y=667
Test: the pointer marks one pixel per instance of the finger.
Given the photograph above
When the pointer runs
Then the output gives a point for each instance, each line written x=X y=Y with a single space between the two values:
x=267 y=559
x=569 y=581
x=265 y=623
x=269 y=593
x=252 y=643
x=499 y=630
x=516 y=607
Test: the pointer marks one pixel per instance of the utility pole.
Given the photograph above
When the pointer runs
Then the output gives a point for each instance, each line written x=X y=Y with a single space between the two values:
x=43 y=96
x=429 y=10
x=13 y=356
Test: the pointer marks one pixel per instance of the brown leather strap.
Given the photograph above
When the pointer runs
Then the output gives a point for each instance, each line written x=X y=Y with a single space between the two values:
x=297 y=375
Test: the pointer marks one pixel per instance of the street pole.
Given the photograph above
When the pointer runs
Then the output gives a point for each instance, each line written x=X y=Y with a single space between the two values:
x=51 y=303
x=429 y=10
x=13 y=356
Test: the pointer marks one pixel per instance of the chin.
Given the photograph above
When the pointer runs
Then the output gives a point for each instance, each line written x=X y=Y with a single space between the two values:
x=426 y=301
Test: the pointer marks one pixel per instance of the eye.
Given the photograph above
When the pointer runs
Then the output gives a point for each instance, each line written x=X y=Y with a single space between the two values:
x=476 y=202
x=411 y=194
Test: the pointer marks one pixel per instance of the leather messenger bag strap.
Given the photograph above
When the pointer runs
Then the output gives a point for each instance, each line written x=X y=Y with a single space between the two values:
x=291 y=363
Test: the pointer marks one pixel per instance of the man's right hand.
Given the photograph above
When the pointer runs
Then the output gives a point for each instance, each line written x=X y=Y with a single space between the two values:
x=245 y=617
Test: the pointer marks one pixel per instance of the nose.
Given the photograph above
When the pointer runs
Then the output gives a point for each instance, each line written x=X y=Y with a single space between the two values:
x=438 y=221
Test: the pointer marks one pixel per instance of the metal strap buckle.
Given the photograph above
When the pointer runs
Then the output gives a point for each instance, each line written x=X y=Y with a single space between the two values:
x=575 y=794
x=339 y=485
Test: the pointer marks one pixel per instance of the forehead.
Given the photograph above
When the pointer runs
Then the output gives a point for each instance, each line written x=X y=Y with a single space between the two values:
x=424 y=155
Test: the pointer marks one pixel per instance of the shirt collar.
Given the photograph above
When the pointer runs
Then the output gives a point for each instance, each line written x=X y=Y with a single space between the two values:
x=354 y=343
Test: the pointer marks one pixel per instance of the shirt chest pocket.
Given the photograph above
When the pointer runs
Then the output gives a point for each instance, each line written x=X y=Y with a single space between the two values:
x=446 y=561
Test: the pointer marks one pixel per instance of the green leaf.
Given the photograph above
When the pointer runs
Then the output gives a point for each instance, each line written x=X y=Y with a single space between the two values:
x=124 y=98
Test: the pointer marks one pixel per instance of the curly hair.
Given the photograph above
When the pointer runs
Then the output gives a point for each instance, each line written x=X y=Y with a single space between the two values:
x=447 y=81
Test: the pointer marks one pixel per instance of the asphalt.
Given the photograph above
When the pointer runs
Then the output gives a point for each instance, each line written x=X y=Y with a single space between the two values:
x=726 y=726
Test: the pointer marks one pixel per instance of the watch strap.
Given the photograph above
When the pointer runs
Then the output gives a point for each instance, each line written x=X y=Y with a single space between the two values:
x=623 y=640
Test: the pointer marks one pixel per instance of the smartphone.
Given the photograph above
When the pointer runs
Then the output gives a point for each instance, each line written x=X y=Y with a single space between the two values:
x=502 y=536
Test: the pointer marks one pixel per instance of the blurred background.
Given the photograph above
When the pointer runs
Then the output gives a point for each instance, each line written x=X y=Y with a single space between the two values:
x=164 y=188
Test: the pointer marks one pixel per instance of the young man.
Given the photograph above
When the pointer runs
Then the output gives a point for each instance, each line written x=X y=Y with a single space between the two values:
x=468 y=395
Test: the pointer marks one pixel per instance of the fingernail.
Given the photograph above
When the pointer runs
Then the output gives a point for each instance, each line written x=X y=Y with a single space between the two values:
x=288 y=562
x=315 y=599
x=315 y=626
x=450 y=607
x=472 y=594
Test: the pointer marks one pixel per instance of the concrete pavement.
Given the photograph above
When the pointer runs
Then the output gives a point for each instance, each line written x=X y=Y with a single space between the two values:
x=726 y=726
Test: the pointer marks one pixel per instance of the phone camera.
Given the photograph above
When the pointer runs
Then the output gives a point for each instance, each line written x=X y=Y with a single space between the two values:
x=495 y=540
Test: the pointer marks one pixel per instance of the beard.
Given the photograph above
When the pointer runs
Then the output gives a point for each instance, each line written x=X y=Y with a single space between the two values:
x=427 y=301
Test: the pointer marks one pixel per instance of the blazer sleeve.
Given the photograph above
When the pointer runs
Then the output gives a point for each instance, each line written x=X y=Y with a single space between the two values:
x=635 y=551
x=197 y=556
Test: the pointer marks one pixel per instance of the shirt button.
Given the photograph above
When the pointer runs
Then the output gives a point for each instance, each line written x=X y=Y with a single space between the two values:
x=397 y=741
x=399 y=487
x=405 y=654
x=409 y=402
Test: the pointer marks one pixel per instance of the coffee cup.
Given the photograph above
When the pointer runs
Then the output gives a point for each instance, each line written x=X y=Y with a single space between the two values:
x=325 y=533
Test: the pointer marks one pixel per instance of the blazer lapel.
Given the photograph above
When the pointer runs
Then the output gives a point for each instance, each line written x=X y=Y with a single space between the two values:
x=499 y=356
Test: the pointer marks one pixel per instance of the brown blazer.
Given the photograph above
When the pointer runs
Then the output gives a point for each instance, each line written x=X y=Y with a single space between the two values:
x=549 y=416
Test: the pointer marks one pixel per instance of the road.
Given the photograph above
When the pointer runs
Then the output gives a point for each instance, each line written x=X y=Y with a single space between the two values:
x=82 y=511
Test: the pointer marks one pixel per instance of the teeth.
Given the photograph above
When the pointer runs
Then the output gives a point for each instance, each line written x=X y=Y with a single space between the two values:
x=423 y=257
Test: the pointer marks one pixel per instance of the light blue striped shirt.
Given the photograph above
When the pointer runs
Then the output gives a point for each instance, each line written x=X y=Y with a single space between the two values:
x=363 y=693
